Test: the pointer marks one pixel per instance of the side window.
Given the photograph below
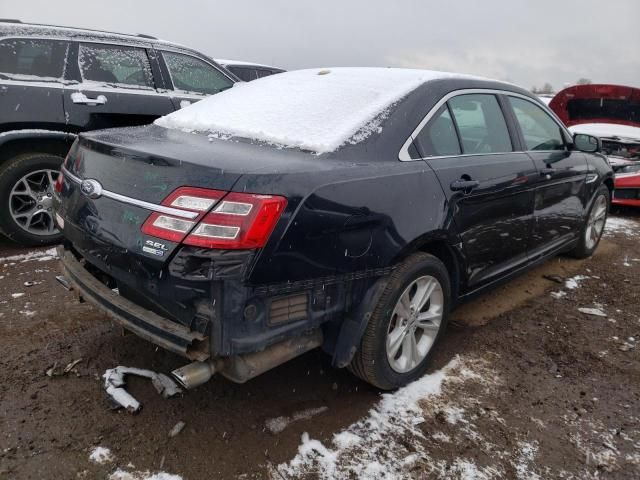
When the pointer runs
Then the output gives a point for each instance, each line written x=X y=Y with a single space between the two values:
x=439 y=136
x=191 y=74
x=481 y=125
x=263 y=72
x=26 y=59
x=114 y=64
x=243 y=73
x=540 y=131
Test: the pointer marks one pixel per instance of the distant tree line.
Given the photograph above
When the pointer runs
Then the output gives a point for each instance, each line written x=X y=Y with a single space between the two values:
x=547 y=88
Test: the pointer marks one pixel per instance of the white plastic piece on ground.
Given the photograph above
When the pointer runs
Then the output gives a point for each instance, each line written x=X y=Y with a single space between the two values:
x=574 y=282
x=101 y=455
x=607 y=130
x=278 y=424
x=316 y=109
x=114 y=383
x=592 y=311
x=120 y=474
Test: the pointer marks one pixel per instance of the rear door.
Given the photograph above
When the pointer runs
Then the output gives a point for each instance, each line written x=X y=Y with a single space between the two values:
x=31 y=83
x=115 y=87
x=560 y=194
x=192 y=78
x=469 y=145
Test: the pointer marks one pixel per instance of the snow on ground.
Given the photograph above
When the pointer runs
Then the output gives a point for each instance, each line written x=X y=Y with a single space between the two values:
x=625 y=226
x=315 y=109
x=606 y=130
x=574 y=282
x=389 y=443
x=101 y=455
x=39 y=255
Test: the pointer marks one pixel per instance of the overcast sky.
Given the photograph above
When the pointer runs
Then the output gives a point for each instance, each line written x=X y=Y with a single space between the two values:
x=525 y=42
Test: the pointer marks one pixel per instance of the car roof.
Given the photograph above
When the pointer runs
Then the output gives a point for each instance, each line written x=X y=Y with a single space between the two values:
x=9 y=28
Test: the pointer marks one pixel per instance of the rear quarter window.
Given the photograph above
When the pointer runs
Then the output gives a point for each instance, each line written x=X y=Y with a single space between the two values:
x=191 y=74
x=27 y=59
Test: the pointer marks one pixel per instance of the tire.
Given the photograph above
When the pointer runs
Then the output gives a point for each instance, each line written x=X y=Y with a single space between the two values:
x=594 y=224
x=34 y=170
x=373 y=362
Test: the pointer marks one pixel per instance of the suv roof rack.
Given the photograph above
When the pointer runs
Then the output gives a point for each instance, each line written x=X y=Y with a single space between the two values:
x=141 y=35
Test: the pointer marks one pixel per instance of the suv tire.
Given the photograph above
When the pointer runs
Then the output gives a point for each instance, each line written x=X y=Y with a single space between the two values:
x=26 y=186
x=386 y=357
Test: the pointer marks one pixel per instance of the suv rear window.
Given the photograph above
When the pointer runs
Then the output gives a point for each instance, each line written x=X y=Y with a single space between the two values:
x=191 y=74
x=26 y=59
x=244 y=73
x=115 y=64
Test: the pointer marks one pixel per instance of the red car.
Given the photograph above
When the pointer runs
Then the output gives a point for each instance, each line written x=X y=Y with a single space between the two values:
x=612 y=113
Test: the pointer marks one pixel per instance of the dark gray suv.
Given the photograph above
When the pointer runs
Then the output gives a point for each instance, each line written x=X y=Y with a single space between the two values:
x=56 y=82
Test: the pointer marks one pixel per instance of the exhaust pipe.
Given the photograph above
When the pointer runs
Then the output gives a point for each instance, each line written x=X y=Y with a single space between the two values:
x=241 y=368
x=195 y=374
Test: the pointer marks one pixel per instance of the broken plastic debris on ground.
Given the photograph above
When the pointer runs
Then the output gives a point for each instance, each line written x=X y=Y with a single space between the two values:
x=114 y=381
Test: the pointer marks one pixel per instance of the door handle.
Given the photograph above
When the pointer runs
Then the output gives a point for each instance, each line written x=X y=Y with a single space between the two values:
x=81 y=99
x=466 y=185
x=547 y=171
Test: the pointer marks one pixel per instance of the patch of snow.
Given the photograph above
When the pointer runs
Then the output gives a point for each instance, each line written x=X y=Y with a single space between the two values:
x=39 y=255
x=28 y=313
x=278 y=424
x=316 y=109
x=120 y=474
x=625 y=226
x=101 y=455
x=607 y=130
x=559 y=294
x=17 y=295
x=225 y=61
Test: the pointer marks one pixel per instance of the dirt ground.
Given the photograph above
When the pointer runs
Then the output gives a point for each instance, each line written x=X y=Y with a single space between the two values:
x=542 y=390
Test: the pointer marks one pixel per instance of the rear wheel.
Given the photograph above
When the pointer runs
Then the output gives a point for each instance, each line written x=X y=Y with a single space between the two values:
x=26 y=195
x=408 y=320
x=594 y=224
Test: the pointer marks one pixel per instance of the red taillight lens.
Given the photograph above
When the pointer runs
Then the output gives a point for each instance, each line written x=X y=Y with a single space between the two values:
x=239 y=221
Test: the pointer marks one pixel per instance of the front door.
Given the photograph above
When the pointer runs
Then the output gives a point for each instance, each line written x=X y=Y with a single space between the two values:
x=115 y=88
x=560 y=186
x=488 y=185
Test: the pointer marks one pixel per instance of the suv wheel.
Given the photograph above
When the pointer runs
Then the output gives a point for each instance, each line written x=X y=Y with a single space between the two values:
x=594 y=224
x=409 y=319
x=26 y=194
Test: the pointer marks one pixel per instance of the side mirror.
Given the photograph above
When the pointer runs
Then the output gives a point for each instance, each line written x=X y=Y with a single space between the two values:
x=587 y=143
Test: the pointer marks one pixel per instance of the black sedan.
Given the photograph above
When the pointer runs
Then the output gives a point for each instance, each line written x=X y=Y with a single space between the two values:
x=350 y=209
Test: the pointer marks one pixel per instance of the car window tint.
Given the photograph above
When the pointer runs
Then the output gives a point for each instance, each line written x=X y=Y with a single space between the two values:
x=481 y=125
x=439 y=136
x=540 y=131
x=113 y=64
x=191 y=74
x=263 y=72
x=244 y=73
x=26 y=59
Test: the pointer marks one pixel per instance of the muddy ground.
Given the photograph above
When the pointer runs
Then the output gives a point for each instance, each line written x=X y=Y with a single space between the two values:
x=544 y=391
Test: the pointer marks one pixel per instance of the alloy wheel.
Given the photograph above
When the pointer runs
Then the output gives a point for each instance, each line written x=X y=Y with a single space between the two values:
x=595 y=224
x=30 y=202
x=414 y=324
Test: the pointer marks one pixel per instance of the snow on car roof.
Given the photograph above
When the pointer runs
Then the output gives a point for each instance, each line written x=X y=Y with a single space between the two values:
x=316 y=109
x=607 y=130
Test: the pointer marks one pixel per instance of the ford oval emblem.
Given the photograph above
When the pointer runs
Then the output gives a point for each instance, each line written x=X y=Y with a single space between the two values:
x=91 y=188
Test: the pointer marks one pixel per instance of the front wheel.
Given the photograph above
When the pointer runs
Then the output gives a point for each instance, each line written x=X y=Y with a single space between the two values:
x=594 y=224
x=408 y=320
x=26 y=195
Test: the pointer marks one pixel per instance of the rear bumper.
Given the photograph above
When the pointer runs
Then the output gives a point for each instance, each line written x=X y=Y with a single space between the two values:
x=144 y=323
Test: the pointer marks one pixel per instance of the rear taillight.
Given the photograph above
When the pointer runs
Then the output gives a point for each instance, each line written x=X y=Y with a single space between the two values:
x=239 y=221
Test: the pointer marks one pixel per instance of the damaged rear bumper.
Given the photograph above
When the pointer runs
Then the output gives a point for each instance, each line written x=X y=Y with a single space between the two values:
x=144 y=323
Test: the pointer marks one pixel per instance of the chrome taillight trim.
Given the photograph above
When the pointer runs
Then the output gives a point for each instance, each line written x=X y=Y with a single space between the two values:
x=134 y=201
